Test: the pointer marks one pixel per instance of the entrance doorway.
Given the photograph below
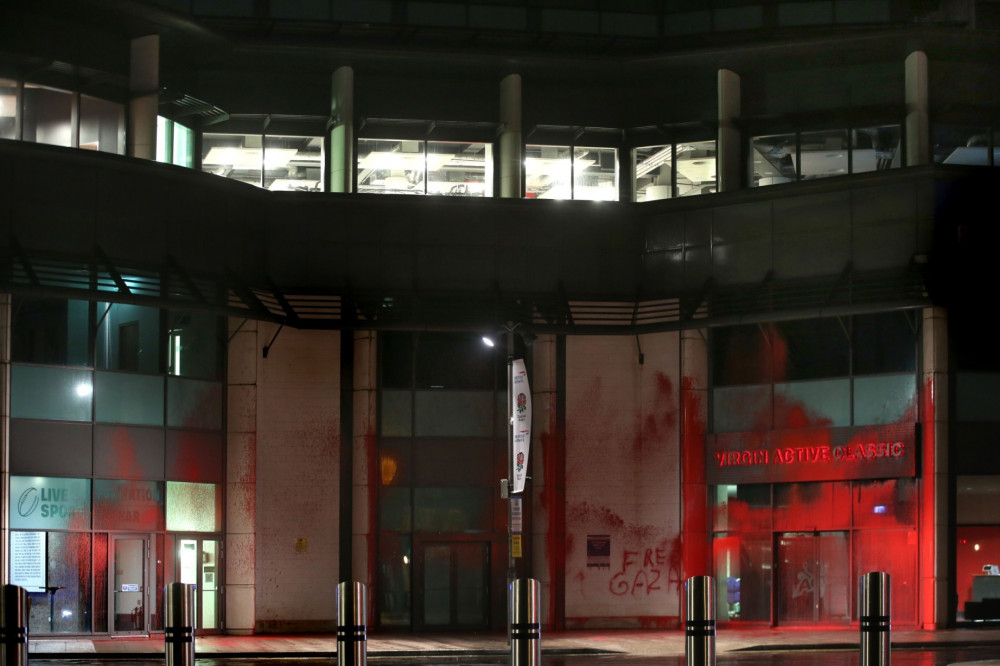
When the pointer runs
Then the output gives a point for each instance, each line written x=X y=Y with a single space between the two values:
x=813 y=578
x=198 y=563
x=129 y=576
x=453 y=589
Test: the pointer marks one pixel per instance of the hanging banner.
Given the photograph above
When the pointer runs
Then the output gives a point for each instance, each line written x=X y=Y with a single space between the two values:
x=521 y=415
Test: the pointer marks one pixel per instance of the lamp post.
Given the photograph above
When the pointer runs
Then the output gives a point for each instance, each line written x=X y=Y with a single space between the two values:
x=507 y=485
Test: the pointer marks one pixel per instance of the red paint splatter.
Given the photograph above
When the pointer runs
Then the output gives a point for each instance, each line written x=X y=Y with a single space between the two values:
x=694 y=492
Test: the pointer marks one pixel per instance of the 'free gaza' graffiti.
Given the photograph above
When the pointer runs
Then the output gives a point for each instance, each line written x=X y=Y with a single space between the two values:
x=637 y=576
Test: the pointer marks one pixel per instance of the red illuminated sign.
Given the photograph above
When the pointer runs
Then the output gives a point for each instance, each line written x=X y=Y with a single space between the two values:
x=812 y=454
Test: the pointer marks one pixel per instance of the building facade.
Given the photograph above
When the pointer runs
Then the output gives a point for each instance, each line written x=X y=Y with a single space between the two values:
x=249 y=250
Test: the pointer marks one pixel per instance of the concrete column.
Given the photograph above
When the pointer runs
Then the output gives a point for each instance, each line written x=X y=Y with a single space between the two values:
x=548 y=528
x=144 y=85
x=696 y=537
x=4 y=431
x=241 y=477
x=918 y=140
x=341 y=174
x=510 y=153
x=365 y=473
x=935 y=582
x=730 y=144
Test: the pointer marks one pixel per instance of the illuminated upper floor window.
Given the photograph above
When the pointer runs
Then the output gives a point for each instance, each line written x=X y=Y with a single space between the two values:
x=8 y=109
x=674 y=170
x=571 y=172
x=174 y=143
x=450 y=168
x=970 y=145
x=783 y=158
x=290 y=163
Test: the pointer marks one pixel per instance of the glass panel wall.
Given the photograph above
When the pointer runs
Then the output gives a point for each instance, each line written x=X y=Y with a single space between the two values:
x=815 y=372
x=782 y=158
x=128 y=338
x=236 y=156
x=674 y=170
x=194 y=345
x=393 y=166
x=977 y=550
x=791 y=553
x=595 y=174
x=577 y=172
x=8 y=109
x=439 y=455
x=293 y=163
x=174 y=143
x=48 y=116
x=50 y=331
x=58 y=394
x=824 y=154
x=548 y=172
x=963 y=144
x=460 y=169
x=102 y=125
x=876 y=148
x=90 y=379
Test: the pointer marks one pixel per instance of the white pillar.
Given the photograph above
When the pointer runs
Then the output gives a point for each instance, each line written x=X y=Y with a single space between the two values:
x=365 y=476
x=341 y=177
x=241 y=477
x=144 y=85
x=696 y=537
x=544 y=430
x=935 y=576
x=729 y=162
x=510 y=158
x=918 y=142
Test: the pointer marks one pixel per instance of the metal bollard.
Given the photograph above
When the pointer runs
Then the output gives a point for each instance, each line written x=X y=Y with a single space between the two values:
x=525 y=627
x=178 y=634
x=352 y=630
x=14 y=626
x=874 y=605
x=699 y=634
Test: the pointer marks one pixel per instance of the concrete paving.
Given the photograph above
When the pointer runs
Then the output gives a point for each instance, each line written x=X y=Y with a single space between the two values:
x=625 y=642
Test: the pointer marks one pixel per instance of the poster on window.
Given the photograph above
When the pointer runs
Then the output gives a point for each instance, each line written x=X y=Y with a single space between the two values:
x=521 y=415
x=27 y=560
x=49 y=503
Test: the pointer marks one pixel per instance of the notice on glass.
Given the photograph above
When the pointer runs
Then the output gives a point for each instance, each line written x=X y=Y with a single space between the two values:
x=27 y=560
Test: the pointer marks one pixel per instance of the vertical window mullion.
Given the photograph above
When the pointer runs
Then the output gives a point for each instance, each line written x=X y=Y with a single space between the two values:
x=798 y=155
x=851 y=133
x=74 y=121
x=673 y=169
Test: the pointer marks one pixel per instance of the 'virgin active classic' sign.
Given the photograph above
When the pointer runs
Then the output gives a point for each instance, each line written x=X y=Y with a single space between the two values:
x=812 y=454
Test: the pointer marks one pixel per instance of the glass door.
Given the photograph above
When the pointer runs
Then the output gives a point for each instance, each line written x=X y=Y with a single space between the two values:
x=813 y=578
x=130 y=584
x=198 y=564
x=454 y=585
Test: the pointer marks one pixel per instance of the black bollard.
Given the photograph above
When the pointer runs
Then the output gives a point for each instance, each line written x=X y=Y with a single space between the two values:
x=178 y=634
x=525 y=628
x=352 y=630
x=699 y=634
x=14 y=626
x=874 y=605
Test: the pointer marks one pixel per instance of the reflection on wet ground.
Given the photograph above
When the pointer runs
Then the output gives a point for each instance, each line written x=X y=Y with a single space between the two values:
x=901 y=657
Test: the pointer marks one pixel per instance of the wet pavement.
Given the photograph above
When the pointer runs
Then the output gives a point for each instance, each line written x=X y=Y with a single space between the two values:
x=757 y=646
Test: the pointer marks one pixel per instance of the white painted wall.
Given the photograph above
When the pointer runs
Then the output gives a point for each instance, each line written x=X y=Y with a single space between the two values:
x=297 y=479
x=623 y=480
